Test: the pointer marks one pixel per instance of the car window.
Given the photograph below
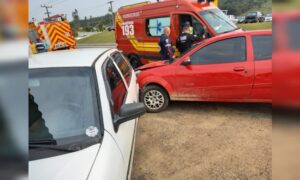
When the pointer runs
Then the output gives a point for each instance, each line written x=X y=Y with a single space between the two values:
x=117 y=87
x=224 y=51
x=123 y=65
x=262 y=46
x=293 y=29
x=198 y=27
x=155 y=26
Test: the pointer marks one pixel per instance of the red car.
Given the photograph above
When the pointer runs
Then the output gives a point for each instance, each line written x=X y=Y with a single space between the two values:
x=233 y=67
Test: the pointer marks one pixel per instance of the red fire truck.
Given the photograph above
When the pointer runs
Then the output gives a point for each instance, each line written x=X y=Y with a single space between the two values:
x=139 y=26
x=52 y=34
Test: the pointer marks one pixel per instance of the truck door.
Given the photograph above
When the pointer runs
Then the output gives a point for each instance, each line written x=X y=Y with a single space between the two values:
x=219 y=70
x=180 y=18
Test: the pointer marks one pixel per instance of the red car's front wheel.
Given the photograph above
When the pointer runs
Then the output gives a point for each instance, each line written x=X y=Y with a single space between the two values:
x=155 y=98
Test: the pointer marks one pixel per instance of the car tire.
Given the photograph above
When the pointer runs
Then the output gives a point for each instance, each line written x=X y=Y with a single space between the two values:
x=134 y=61
x=155 y=98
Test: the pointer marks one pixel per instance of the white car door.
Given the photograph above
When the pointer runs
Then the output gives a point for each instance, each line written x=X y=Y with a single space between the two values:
x=109 y=163
x=119 y=83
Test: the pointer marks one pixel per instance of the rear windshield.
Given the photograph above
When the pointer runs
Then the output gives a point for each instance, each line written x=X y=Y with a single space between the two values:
x=218 y=21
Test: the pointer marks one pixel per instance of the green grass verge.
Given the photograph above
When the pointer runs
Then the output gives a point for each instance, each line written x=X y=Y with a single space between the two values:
x=104 y=37
x=256 y=26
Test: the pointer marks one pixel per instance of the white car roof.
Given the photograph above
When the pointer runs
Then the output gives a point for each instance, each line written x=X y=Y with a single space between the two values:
x=83 y=57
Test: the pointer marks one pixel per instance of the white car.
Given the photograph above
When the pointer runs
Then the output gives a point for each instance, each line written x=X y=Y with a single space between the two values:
x=268 y=18
x=83 y=114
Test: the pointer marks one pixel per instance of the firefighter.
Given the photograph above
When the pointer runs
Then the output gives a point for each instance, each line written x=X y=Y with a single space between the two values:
x=166 y=45
x=191 y=29
x=185 y=39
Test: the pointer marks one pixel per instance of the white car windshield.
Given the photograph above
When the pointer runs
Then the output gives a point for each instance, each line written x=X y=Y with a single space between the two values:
x=218 y=21
x=63 y=107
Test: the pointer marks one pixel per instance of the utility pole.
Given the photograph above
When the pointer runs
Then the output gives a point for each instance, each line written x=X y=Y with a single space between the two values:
x=47 y=10
x=112 y=12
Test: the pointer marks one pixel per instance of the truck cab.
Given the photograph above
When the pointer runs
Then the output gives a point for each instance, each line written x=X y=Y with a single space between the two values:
x=139 y=26
x=254 y=17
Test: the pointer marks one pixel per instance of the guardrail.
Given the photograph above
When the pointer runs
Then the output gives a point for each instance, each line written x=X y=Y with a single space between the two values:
x=97 y=45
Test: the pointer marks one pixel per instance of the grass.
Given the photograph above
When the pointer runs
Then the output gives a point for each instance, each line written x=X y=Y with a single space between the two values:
x=256 y=26
x=289 y=5
x=104 y=37
x=109 y=36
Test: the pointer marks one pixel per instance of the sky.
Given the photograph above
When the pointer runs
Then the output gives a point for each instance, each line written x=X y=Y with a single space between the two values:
x=85 y=7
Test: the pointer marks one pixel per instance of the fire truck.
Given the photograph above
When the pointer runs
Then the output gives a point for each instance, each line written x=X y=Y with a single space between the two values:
x=139 y=26
x=54 y=33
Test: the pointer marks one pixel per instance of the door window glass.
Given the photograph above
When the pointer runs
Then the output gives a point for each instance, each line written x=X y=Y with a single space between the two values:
x=155 y=26
x=198 y=27
x=123 y=65
x=117 y=88
x=262 y=46
x=224 y=51
x=293 y=29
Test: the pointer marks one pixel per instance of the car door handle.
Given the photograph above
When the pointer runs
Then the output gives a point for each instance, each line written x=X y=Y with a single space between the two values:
x=239 y=69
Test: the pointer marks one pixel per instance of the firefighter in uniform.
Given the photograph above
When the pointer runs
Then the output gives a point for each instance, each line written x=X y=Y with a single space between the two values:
x=166 y=46
x=186 y=39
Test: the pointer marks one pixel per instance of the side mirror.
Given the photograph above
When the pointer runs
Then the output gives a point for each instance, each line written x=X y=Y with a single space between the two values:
x=186 y=62
x=129 y=112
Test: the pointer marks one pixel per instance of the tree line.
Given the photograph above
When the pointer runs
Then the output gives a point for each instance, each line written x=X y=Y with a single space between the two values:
x=89 y=24
x=241 y=7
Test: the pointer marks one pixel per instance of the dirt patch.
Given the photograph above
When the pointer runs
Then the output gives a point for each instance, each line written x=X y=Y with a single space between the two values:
x=196 y=140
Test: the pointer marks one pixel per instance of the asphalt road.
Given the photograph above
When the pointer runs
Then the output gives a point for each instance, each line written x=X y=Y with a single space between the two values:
x=199 y=140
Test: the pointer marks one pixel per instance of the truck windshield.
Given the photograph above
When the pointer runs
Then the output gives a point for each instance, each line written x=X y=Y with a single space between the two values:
x=63 y=111
x=218 y=21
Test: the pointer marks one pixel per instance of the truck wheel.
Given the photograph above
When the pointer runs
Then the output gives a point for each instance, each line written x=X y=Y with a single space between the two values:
x=134 y=61
x=155 y=98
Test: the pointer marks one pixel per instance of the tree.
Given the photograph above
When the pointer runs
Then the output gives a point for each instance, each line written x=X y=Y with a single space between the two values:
x=76 y=23
x=242 y=6
x=100 y=27
x=88 y=28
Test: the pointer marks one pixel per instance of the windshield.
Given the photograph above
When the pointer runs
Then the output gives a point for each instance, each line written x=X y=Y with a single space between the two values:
x=218 y=21
x=62 y=107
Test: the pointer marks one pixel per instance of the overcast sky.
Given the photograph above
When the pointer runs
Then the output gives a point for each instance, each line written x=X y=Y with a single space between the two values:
x=85 y=7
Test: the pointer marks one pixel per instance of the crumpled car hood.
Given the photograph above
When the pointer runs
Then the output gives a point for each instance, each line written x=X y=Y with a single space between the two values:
x=153 y=65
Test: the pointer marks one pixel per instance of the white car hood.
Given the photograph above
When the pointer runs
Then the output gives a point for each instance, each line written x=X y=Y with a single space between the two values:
x=76 y=165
